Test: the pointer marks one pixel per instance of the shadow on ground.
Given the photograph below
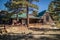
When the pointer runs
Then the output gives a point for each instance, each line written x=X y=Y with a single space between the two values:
x=28 y=37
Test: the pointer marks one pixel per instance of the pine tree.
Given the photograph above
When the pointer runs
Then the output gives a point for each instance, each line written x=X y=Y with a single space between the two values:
x=15 y=4
x=54 y=9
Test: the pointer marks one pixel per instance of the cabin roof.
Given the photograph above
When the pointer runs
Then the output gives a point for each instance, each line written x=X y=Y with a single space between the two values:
x=24 y=16
x=41 y=13
x=30 y=16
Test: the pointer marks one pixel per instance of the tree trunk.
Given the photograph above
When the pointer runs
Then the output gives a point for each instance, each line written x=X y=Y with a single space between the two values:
x=27 y=16
x=17 y=19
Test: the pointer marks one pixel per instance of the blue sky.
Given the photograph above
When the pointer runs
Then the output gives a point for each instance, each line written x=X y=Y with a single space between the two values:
x=43 y=4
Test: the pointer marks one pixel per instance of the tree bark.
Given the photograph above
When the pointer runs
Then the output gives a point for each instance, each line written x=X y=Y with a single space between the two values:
x=27 y=16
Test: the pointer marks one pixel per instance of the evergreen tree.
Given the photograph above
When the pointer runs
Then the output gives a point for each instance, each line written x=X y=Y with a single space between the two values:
x=54 y=9
x=22 y=4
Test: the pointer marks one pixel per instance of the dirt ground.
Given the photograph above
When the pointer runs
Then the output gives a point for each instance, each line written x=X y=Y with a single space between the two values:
x=26 y=30
x=25 y=33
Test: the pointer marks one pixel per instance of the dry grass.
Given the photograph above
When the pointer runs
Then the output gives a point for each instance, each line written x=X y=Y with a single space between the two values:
x=24 y=29
x=58 y=25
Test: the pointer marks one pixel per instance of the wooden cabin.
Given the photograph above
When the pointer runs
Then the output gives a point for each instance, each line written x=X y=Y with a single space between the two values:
x=45 y=17
x=22 y=19
x=42 y=18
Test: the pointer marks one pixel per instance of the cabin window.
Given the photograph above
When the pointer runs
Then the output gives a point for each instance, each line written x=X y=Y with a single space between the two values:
x=47 y=18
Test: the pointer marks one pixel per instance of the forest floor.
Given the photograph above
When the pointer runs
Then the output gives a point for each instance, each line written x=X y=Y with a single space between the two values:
x=30 y=33
x=43 y=29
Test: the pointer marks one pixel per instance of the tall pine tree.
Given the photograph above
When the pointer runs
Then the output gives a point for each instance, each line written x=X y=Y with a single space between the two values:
x=22 y=4
x=54 y=9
